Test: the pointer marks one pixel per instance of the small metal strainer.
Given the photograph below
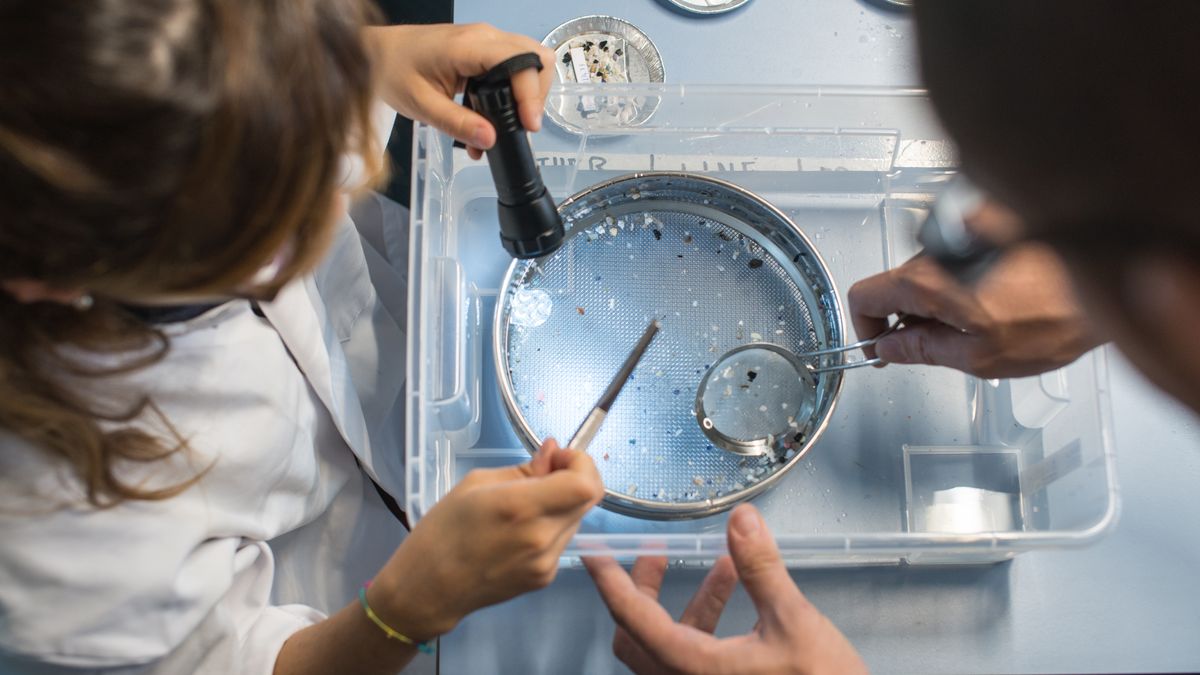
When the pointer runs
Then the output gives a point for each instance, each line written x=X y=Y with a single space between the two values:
x=721 y=270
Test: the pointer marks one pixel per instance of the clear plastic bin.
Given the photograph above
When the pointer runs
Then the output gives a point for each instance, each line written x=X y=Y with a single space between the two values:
x=919 y=464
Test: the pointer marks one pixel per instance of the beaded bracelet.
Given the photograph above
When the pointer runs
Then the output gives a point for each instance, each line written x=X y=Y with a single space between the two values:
x=426 y=647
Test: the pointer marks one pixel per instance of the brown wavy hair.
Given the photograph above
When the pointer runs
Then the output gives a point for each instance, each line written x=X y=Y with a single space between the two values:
x=158 y=148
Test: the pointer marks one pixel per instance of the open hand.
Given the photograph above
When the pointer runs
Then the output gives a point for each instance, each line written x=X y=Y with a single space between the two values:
x=791 y=636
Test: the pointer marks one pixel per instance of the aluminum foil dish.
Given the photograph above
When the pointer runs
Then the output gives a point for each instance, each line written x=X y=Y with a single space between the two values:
x=602 y=50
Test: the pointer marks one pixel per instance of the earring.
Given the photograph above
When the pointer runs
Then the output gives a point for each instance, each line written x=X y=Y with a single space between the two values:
x=84 y=302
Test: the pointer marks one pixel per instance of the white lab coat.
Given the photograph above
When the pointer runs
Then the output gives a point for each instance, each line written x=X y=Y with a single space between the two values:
x=284 y=526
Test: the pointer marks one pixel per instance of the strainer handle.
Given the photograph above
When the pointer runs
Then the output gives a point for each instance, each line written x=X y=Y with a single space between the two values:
x=849 y=365
x=857 y=345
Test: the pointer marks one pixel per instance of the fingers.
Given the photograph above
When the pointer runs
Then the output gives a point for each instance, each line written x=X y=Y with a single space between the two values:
x=645 y=620
x=442 y=112
x=560 y=541
x=704 y=610
x=648 y=573
x=541 y=463
x=573 y=487
x=933 y=344
x=866 y=327
x=574 y=460
x=760 y=567
x=918 y=288
x=554 y=483
x=488 y=47
x=530 y=97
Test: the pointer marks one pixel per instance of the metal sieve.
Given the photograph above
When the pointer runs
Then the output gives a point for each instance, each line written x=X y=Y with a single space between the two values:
x=720 y=269
x=755 y=398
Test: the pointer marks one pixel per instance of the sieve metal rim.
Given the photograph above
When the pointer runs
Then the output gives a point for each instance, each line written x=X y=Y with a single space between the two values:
x=757 y=446
x=621 y=503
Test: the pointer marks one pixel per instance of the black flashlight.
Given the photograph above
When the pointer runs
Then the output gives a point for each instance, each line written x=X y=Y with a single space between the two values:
x=530 y=226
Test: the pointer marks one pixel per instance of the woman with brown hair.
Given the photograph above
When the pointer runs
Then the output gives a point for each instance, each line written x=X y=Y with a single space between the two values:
x=201 y=354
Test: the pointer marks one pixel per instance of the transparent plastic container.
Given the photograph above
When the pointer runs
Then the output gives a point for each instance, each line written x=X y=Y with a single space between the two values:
x=922 y=465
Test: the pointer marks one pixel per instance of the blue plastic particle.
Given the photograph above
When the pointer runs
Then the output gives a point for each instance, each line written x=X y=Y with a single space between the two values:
x=676 y=392
x=633 y=441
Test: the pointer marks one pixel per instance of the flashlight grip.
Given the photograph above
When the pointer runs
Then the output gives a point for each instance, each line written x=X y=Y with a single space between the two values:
x=511 y=158
x=530 y=226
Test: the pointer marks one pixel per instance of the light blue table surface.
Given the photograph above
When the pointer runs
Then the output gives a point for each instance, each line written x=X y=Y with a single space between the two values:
x=1130 y=603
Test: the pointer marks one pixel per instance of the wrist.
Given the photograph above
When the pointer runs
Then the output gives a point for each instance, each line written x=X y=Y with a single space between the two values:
x=409 y=608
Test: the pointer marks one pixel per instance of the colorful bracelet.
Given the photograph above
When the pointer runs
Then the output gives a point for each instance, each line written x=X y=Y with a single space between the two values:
x=427 y=647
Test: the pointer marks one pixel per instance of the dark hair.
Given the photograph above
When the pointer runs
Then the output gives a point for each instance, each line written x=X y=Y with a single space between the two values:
x=152 y=147
x=1071 y=111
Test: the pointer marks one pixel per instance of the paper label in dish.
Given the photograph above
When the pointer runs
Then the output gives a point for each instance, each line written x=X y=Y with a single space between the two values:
x=580 y=70
x=579 y=65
